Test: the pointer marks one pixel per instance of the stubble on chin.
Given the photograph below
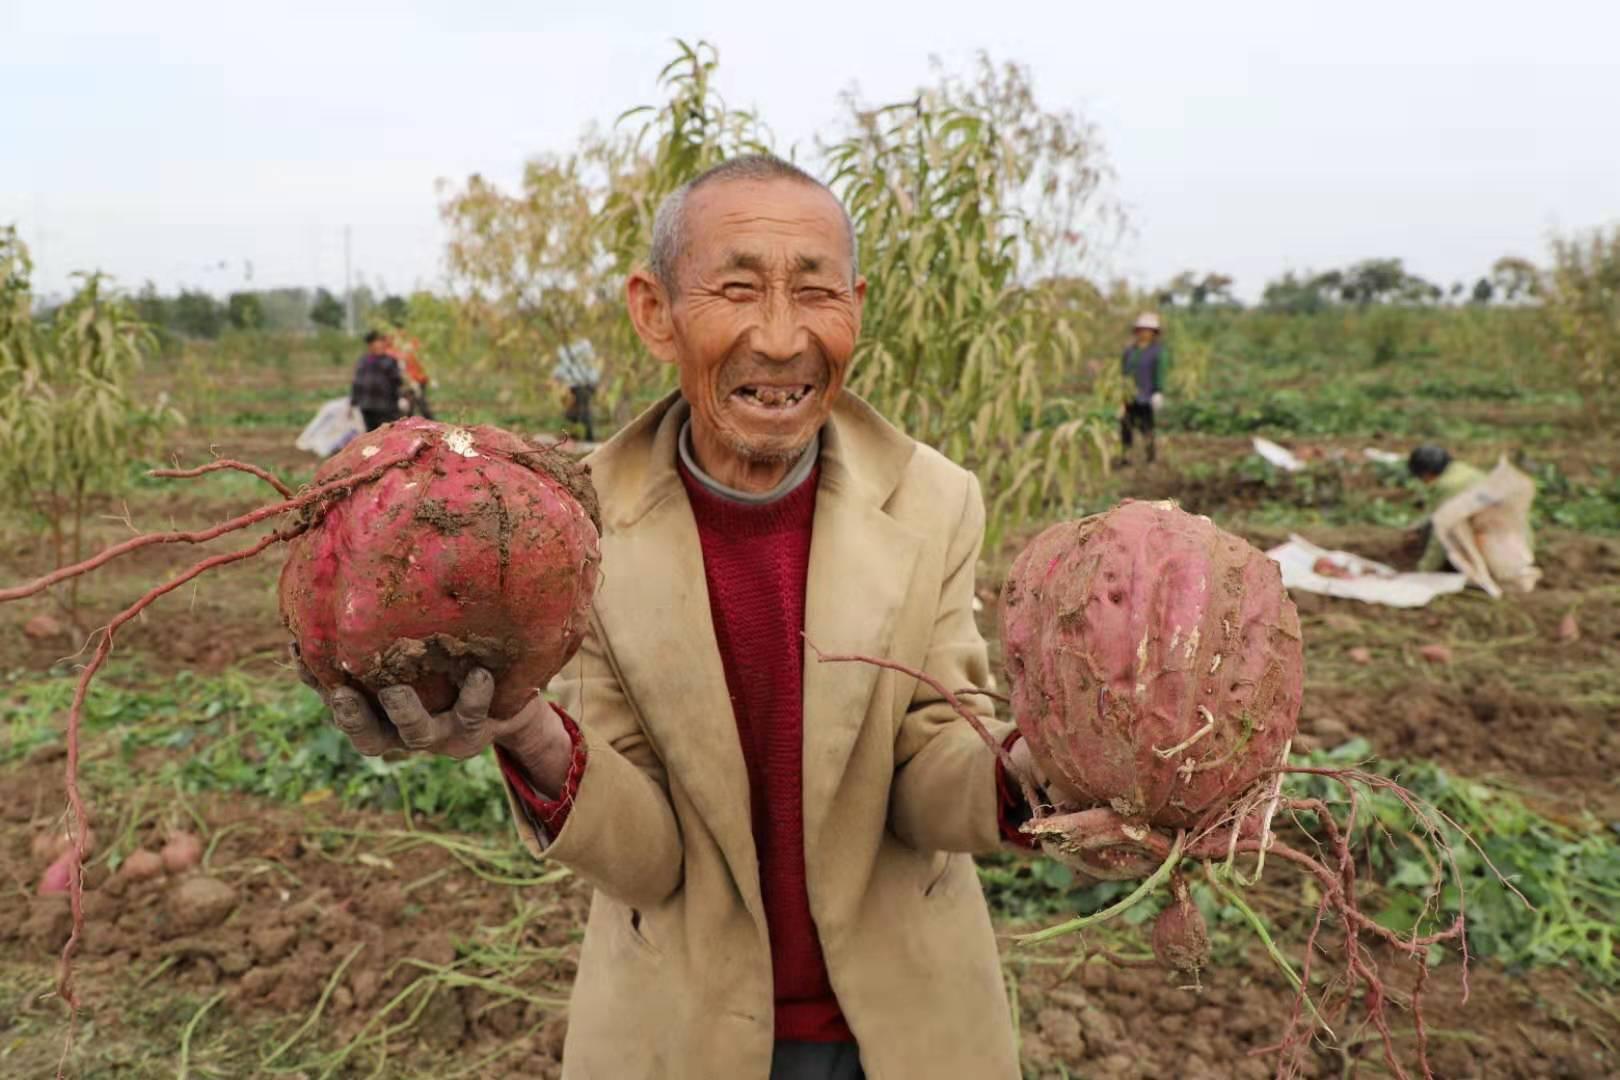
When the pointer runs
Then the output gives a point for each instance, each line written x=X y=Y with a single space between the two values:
x=763 y=455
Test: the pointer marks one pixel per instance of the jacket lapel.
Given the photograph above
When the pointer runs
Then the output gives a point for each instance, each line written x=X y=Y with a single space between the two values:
x=861 y=563
x=654 y=608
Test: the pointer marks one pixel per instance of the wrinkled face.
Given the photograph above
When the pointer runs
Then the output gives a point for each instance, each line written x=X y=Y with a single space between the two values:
x=764 y=315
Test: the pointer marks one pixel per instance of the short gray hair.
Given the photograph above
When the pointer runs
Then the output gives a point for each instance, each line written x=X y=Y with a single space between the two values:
x=669 y=224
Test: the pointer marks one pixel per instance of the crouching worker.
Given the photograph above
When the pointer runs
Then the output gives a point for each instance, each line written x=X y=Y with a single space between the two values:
x=780 y=848
x=1445 y=477
x=1479 y=523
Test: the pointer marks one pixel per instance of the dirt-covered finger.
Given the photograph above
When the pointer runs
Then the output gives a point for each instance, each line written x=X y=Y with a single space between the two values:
x=354 y=716
x=472 y=704
x=350 y=711
x=418 y=728
x=378 y=741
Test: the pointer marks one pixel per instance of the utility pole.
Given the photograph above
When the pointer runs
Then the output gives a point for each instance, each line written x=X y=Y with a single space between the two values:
x=348 y=280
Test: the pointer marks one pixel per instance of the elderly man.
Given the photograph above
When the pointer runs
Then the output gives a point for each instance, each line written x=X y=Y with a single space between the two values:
x=780 y=848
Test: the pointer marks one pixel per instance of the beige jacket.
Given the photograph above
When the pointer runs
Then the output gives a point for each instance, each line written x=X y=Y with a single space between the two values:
x=674 y=977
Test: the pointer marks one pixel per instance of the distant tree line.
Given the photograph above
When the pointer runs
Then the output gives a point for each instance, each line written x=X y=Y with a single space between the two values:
x=1511 y=280
x=195 y=314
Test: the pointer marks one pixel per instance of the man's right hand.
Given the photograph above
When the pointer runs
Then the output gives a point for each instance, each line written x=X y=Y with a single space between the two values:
x=534 y=736
x=1100 y=844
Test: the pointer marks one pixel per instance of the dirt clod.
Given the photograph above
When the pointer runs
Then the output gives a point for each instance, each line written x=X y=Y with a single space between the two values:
x=257 y=982
x=436 y=949
x=382 y=905
x=444 y=1022
x=200 y=903
x=142 y=865
x=364 y=985
x=233 y=961
x=48 y=923
x=271 y=943
x=1061 y=1030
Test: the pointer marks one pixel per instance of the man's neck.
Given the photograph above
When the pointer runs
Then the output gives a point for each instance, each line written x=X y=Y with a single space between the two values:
x=740 y=484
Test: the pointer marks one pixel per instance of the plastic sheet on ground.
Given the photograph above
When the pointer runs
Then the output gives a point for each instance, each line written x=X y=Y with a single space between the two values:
x=1385 y=457
x=1339 y=573
x=1279 y=456
x=334 y=425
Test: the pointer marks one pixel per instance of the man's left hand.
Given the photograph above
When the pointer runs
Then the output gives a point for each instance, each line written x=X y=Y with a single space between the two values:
x=1024 y=766
x=1157 y=401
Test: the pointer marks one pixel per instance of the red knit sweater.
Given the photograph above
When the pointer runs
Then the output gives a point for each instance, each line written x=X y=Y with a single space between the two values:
x=756 y=559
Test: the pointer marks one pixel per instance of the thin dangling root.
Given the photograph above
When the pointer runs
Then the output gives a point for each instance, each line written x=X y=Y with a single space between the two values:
x=974 y=719
x=309 y=498
x=226 y=463
x=1209 y=726
x=307 y=505
x=77 y=810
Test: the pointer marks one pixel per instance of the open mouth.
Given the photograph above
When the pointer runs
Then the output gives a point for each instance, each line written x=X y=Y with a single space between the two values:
x=773 y=397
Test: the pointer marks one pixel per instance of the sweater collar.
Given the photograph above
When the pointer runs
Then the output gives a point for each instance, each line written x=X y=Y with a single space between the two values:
x=790 y=483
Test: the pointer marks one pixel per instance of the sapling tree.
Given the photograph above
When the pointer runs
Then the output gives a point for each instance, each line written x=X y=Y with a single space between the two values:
x=70 y=420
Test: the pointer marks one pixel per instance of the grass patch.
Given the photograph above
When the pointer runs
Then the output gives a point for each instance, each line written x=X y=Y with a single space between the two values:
x=255 y=735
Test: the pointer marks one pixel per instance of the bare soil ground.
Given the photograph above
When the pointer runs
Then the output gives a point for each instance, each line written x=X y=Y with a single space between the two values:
x=333 y=915
x=313 y=888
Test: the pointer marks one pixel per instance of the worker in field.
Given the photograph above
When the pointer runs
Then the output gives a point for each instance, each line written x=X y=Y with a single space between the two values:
x=408 y=351
x=1144 y=366
x=579 y=374
x=378 y=389
x=779 y=850
x=1446 y=477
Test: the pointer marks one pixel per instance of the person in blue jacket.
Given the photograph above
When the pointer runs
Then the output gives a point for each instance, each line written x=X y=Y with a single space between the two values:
x=1143 y=366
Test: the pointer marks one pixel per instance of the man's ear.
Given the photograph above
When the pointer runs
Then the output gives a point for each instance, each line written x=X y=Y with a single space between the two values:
x=860 y=304
x=651 y=315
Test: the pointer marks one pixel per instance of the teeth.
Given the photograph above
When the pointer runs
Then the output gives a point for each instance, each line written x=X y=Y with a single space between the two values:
x=775 y=397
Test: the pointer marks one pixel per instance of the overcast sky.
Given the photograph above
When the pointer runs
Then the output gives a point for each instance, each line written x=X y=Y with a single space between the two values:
x=181 y=142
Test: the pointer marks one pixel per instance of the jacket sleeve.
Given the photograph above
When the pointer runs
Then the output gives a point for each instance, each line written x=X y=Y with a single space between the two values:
x=619 y=833
x=1160 y=370
x=947 y=790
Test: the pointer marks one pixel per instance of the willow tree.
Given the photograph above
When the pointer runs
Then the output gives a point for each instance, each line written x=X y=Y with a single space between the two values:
x=532 y=271
x=975 y=208
x=958 y=195
x=544 y=267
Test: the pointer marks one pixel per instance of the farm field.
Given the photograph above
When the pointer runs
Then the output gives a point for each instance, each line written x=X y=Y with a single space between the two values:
x=381 y=920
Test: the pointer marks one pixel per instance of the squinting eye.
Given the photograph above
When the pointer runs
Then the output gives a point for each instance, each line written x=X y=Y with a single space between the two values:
x=815 y=293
